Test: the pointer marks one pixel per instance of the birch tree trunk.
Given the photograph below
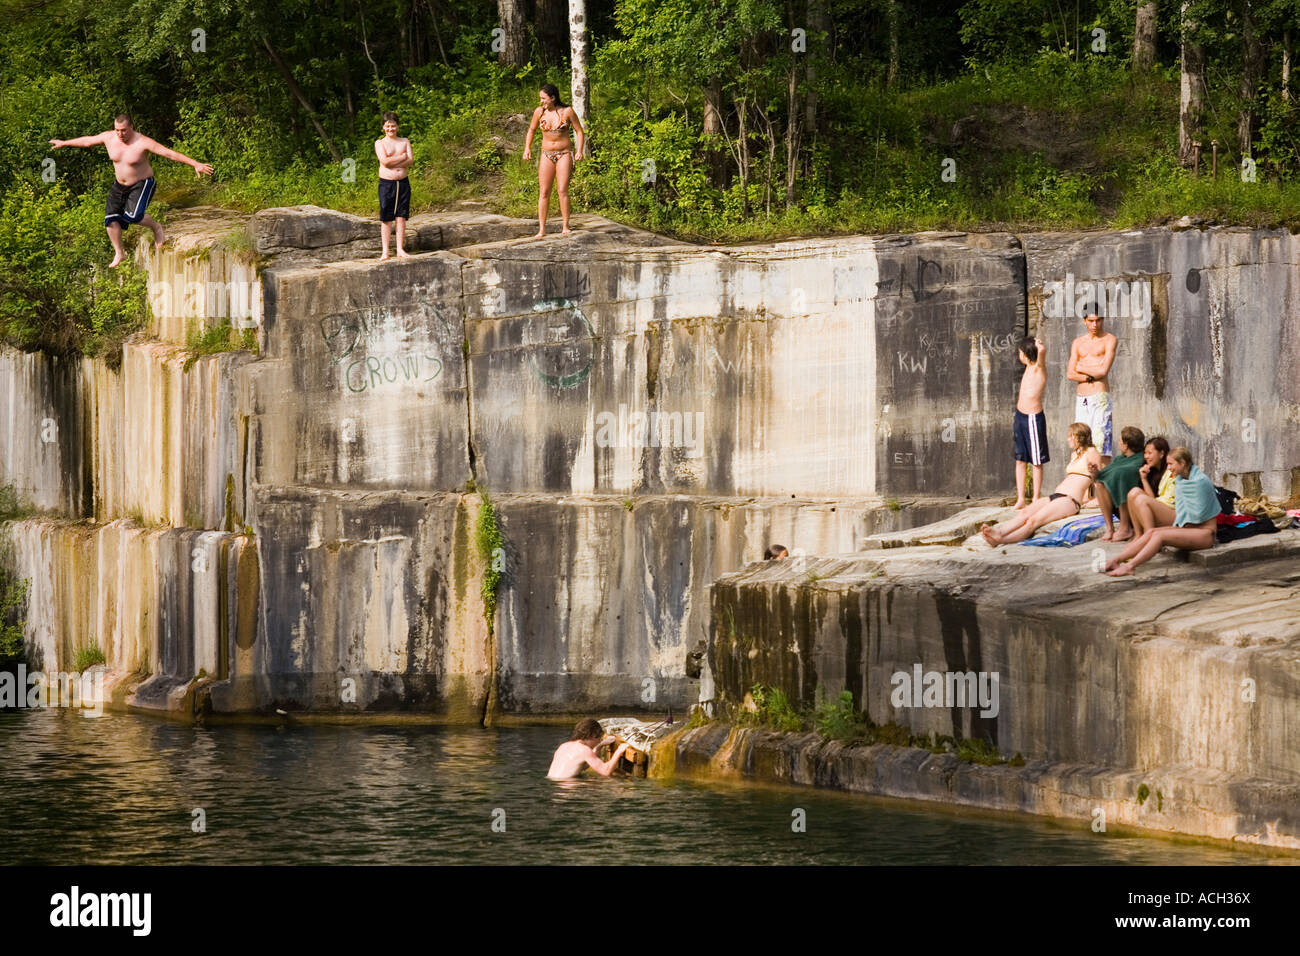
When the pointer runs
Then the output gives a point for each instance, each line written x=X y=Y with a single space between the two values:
x=578 y=56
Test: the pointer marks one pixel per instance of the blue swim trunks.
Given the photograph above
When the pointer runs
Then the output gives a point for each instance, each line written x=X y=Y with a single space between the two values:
x=127 y=204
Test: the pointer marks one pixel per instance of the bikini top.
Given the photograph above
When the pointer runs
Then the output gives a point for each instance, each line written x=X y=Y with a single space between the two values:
x=554 y=129
x=1081 y=474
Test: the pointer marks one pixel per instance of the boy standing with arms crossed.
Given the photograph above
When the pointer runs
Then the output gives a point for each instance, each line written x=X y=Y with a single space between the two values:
x=1029 y=431
x=394 y=153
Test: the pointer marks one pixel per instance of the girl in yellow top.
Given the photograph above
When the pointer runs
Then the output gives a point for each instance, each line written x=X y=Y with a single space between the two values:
x=1149 y=508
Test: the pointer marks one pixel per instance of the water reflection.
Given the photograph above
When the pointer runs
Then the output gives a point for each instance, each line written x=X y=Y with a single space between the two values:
x=123 y=790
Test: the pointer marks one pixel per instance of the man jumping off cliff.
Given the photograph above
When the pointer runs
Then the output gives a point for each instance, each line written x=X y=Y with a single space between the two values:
x=1091 y=357
x=128 y=198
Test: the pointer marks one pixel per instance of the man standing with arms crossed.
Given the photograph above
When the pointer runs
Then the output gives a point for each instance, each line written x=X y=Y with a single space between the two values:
x=128 y=198
x=1091 y=357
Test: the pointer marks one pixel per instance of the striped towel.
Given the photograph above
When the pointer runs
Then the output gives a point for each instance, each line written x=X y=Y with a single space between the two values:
x=1069 y=534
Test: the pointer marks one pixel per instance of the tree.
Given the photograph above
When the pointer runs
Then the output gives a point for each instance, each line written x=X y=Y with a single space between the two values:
x=514 y=51
x=578 y=53
x=1144 y=36
x=1191 y=99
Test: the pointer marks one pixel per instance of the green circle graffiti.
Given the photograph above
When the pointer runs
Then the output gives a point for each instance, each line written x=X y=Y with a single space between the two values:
x=578 y=377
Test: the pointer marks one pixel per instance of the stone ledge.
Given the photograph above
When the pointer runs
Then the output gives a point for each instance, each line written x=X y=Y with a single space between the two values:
x=1179 y=800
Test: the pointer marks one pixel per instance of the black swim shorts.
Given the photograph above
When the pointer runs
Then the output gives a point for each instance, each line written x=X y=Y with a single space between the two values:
x=127 y=204
x=1029 y=436
x=394 y=199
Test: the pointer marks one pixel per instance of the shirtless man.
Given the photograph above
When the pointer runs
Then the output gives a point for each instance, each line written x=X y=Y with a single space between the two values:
x=580 y=751
x=1029 y=429
x=1091 y=357
x=129 y=197
x=395 y=159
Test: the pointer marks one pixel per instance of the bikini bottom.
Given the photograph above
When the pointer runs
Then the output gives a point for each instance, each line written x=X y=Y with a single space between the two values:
x=1056 y=494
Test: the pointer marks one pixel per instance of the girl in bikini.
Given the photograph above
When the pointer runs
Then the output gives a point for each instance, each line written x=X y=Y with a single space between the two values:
x=556 y=164
x=1062 y=503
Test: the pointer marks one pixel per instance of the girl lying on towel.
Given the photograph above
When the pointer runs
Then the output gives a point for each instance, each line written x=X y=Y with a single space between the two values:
x=1063 y=502
x=1196 y=504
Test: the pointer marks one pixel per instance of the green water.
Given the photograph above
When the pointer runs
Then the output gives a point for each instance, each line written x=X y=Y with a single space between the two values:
x=121 y=789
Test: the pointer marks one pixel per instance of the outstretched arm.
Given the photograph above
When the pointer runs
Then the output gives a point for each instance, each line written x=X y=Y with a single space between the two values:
x=604 y=767
x=95 y=140
x=160 y=150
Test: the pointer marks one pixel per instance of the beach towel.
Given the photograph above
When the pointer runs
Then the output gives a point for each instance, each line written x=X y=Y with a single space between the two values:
x=1121 y=476
x=1069 y=534
x=1195 y=499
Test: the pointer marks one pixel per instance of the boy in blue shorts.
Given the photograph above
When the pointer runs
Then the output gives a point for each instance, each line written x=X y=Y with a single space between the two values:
x=1029 y=431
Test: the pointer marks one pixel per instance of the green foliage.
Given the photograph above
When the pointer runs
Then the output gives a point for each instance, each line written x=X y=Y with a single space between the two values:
x=698 y=718
x=54 y=290
x=838 y=720
x=222 y=337
x=13 y=601
x=88 y=655
x=772 y=710
x=491 y=548
x=12 y=504
x=1143 y=792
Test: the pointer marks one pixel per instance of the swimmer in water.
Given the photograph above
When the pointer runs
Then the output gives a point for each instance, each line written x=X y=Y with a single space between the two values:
x=580 y=751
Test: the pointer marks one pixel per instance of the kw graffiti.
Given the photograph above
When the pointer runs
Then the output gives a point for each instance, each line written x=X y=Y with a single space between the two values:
x=912 y=361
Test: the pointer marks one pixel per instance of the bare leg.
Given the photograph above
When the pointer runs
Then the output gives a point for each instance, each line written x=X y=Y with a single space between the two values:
x=401 y=239
x=1051 y=511
x=1189 y=539
x=1038 y=482
x=545 y=176
x=115 y=237
x=1107 y=506
x=1020 y=484
x=159 y=236
x=1125 y=531
x=563 y=170
x=1138 y=511
x=996 y=535
x=385 y=230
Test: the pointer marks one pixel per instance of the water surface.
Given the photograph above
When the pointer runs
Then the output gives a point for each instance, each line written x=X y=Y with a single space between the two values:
x=122 y=788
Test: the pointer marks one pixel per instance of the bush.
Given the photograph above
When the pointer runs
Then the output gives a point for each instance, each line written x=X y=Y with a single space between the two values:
x=54 y=292
x=88 y=655
x=13 y=600
x=772 y=710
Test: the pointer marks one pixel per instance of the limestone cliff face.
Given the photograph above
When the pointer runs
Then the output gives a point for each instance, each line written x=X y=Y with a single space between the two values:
x=645 y=415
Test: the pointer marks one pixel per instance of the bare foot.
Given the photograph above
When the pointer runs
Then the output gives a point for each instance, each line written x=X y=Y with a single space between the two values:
x=159 y=237
x=1020 y=504
x=1108 y=536
x=1123 y=535
x=403 y=254
x=990 y=535
x=566 y=231
x=117 y=260
x=385 y=257
x=1120 y=570
x=1036 y=500
x=541 y=234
